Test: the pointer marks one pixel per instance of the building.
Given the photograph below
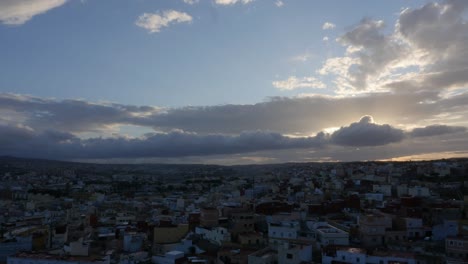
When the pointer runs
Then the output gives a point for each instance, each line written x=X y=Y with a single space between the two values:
x=456 y=249
x=330 y=235
x=171 y=257
x=216 y=235
x=354 y=255
x=209 y=217
x=264 y=256
x=294 y=253
x=372 y=228
x=282 y=231
x=11 y=246
x=43 y=258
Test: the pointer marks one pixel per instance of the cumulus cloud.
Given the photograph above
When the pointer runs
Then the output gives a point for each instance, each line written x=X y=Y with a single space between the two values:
x=17 y=12
x=436 y=130
x=366 y=133
x=154 y=22
x=426 y=51
x=328 y=25
x=294 y=83
x=232 y=2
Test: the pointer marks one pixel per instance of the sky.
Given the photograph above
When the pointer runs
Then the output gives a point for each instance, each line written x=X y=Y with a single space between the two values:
x=233 y=81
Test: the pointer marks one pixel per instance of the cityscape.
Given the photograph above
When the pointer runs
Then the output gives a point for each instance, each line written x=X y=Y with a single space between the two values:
x=233 y=131
x=357 y=212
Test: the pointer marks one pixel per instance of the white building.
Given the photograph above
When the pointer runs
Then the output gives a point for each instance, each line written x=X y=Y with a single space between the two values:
x=330 y=235
x=284 y=230
x=359 y=255
x=414 y=227
x=294 y=253
x=217 y=235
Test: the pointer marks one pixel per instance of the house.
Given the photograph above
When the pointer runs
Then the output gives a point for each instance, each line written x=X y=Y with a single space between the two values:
x=330 y=235
x=216 y=235
x=372 y=228
x=264 y=256
x=294 y=253
x=456 y=249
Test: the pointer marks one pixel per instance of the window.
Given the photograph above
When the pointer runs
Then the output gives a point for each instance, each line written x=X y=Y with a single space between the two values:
x=343 y=257
x=289 y=256
x=358 y=260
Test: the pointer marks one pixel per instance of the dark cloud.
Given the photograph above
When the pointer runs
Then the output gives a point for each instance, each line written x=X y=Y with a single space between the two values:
x=71 y=115
x=436 y=130
x=25 y=142
x=301 y=116
x=297 y=115
x=366 y=133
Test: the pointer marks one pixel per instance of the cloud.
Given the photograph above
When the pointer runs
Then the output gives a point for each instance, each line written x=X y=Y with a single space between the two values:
x=436 y=130
x=48 y=128
x=426 y=51
x=284 y=115
x=366 y=133
x=191 y=2
x=26 y=142
x=328 y=25
x=294 y=83
x=18 y=12
x=70 y=115
x=154 y=22
x=279 y=3
x=232 y=2
x=302 y=57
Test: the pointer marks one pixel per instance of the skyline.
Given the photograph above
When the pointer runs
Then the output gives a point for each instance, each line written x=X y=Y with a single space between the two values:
x=233 y=82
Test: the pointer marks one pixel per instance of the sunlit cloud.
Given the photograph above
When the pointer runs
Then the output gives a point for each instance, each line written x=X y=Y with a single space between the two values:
x=154 y=22
x=293 y=83
x=232 y=2
x=328 y=25
x=425 y=51
x=17 y=12
x=279 y=3
x=191 y=2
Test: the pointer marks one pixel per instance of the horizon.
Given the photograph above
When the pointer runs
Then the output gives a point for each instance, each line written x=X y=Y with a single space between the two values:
x=234 y=165
x=233 y=81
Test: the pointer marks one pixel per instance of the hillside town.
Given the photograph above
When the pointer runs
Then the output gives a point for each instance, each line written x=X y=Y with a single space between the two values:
x=359 y=212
